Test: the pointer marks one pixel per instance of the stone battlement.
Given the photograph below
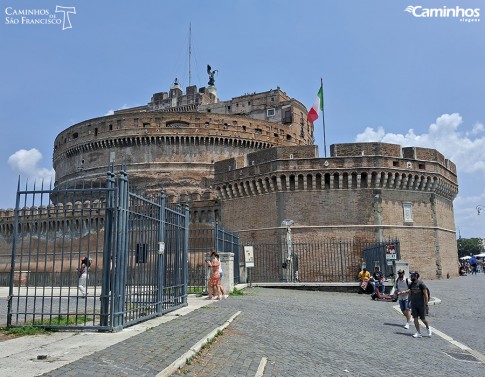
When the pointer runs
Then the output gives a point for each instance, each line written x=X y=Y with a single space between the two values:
x=298 y=168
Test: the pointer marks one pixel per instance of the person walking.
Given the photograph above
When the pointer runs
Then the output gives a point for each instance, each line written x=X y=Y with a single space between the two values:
x=83 y=276
x=402 y=288
x=215 y=278
x=418 y=292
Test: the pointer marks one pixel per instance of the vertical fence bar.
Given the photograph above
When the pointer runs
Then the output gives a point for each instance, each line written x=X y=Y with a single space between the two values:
x=107 y=278
x=121 y=253
x=161 y=259
x=12 y=261
x=185 y=259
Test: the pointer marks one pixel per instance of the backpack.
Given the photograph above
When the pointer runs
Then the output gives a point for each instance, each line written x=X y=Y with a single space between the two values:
x=395 y=283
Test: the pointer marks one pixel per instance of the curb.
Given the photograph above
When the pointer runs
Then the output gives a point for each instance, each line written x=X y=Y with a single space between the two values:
x=182 y=360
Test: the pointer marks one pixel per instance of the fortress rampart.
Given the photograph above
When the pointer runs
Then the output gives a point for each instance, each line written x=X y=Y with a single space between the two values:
x=176 y=147
x=370 y=191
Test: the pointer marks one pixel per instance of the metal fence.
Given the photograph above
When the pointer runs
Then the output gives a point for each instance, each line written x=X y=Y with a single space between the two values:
x=324 y=261
x=203 y=239
x=137 y=247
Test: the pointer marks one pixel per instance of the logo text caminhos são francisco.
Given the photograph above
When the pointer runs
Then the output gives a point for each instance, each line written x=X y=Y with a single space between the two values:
x=463 y=14
x=40 y=16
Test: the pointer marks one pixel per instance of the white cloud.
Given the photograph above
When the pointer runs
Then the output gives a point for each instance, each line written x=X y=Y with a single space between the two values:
x=463 y=148
x=111 y=111
x=25 y=162
x=477 y=128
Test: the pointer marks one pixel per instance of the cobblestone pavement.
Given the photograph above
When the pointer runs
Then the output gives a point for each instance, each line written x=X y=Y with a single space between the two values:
x=150 y=352
x=304 y=333
x=461 y=313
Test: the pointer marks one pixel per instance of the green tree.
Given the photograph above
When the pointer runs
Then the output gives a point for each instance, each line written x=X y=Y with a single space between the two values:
x=467 y=246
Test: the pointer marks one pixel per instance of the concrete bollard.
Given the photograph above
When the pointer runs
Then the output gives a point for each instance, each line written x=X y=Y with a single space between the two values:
x=227 y=264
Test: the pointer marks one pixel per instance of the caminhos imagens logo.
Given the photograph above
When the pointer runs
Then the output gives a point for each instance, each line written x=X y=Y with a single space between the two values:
x=463 y=14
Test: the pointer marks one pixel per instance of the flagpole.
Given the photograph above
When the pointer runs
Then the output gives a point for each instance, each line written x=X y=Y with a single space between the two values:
x=323 y=120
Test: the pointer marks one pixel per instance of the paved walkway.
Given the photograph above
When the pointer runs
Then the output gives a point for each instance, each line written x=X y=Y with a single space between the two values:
x=324 y=334
x=294 y=333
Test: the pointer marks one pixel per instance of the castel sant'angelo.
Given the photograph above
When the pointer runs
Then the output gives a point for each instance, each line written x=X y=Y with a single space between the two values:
x=250 y=162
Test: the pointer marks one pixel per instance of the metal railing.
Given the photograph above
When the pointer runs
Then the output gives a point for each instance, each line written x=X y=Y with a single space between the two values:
x=203 y=239
x=323 y=261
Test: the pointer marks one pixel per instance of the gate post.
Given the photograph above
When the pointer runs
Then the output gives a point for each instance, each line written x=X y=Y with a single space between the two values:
x=106 y=283
x=185 y=257
x=341 y=261
x=121 y=253
x=177 y=256
x=161 y=255
x=12 y=262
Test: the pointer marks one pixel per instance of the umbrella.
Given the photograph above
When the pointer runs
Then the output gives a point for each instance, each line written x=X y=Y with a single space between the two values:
x=481 y=255
x=465 y=257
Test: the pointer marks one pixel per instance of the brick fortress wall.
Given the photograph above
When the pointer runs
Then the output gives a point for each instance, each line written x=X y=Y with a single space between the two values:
x=360 y=191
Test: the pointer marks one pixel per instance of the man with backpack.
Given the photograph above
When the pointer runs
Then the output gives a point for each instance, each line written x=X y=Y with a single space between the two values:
x=402 y=290
x=419 y=297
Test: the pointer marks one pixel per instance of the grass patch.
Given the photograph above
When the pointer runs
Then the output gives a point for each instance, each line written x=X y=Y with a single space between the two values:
x=192 y=290
x=24 y=331
x=38 y=327
x=237 y=292
x=61 y=321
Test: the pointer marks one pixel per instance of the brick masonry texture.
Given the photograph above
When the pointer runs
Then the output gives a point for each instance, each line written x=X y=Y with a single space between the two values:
x=351 y=194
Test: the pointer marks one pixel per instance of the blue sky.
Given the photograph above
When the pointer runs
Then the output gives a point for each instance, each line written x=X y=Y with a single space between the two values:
x=388 y=75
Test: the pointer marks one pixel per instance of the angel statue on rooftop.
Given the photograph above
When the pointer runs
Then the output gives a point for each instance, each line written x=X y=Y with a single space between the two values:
x=211 y=73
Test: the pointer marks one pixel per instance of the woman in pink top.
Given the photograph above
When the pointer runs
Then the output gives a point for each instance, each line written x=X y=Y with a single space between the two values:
x=215 y=279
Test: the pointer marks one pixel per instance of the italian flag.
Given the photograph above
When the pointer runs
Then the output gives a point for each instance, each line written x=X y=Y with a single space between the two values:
x=317 y=105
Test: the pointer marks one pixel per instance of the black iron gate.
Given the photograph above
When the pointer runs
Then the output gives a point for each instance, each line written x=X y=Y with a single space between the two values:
x=382 y=255
x=137 y=248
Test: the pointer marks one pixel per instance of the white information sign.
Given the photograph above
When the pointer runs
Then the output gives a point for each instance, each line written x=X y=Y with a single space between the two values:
x=249 y=256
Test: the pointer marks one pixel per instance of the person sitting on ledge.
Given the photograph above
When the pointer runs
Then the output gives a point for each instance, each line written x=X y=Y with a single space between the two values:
x=364 y=277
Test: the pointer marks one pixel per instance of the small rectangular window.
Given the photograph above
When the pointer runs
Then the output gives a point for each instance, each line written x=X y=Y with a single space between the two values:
x=421 y=166
x=395 y=163
x=287 y=118
x=408 y=212
x=270 y=112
